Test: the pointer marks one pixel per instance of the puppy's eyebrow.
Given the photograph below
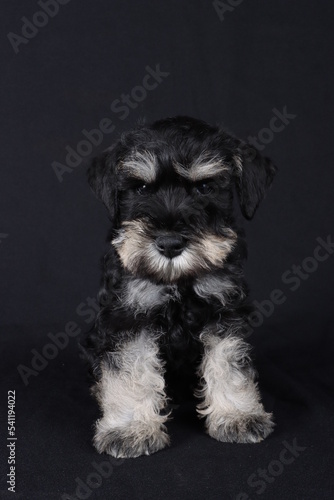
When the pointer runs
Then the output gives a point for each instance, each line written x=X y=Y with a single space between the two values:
x=238 y=162
x=141 y=165
x=202 y=167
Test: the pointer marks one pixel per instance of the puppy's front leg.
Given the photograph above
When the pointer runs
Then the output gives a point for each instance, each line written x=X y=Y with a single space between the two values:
x=131 y=395
x=231 y=401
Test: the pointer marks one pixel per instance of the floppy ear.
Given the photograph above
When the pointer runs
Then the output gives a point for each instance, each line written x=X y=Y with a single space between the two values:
x=102 y=179
x=254 y=175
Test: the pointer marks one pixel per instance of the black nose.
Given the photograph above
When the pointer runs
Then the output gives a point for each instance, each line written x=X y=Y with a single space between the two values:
x=171 y=245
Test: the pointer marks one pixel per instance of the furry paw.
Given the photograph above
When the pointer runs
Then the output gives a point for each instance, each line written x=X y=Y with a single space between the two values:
x=241 y=428
x=129 y=443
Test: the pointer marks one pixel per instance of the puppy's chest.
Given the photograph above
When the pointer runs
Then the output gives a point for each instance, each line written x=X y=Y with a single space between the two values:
x=186 y=316
x=190 y=307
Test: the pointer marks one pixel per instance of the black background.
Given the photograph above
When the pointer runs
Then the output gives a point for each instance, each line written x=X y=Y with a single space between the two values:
x=235 y=71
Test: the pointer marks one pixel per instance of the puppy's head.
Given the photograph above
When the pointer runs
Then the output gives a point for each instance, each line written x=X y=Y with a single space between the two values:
x=168 y=188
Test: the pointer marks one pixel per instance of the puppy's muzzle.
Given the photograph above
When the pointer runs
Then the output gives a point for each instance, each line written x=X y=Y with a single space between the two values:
x=170 y=245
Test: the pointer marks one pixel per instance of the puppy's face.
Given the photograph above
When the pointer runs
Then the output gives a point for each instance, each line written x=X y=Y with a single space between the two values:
x=169 y=190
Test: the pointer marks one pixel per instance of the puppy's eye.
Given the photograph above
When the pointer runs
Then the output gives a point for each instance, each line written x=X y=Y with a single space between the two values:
x=204 y=187
x=142 y=189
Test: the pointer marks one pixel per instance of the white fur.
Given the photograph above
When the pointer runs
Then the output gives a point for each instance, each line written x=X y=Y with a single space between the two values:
x=238 y=164
x=231 y=401
x=203 y=167
x=142 y=295
x=132 y=397
x=134 y=247
x=222 y=288
x=141 y=165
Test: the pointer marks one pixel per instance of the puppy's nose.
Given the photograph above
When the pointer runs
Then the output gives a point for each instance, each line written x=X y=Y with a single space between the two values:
x=171 y=245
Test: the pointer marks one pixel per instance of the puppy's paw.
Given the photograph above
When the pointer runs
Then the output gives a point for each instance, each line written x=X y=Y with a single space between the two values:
x=241 y=428
x=129 y=442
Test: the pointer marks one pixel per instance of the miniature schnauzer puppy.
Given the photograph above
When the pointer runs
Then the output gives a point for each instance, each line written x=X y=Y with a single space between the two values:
x=173 y=299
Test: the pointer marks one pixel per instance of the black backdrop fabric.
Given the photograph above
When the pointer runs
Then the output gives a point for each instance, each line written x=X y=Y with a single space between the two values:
x=74 y=76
